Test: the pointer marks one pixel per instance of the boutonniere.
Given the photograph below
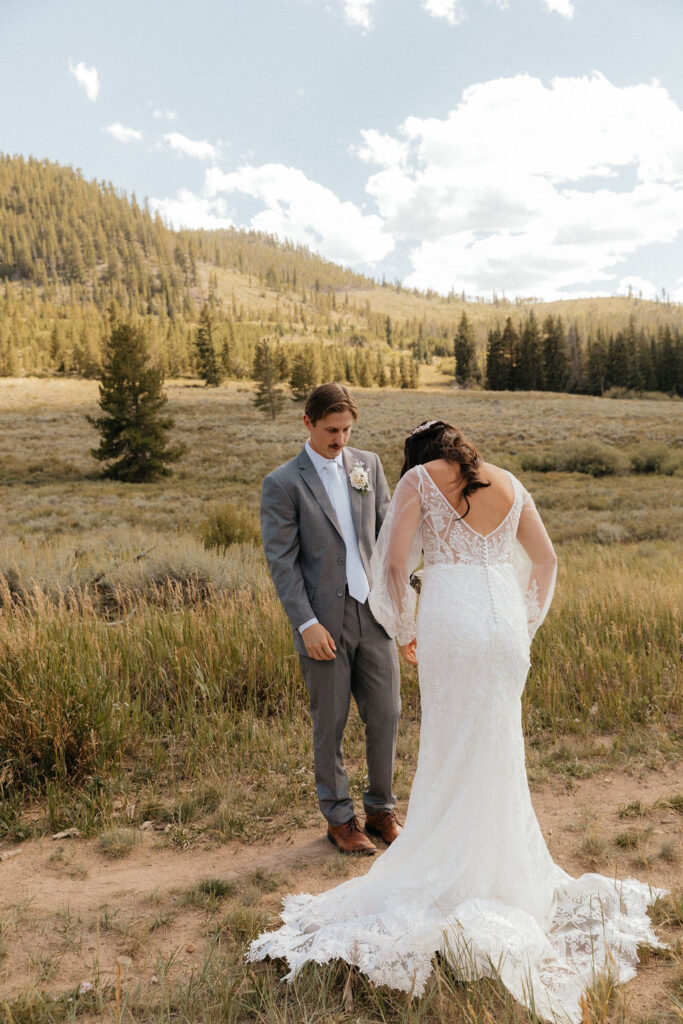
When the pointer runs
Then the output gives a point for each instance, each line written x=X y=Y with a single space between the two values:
x=359 y=479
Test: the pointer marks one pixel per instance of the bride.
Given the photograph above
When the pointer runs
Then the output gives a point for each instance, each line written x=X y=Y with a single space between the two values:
x=470 y=877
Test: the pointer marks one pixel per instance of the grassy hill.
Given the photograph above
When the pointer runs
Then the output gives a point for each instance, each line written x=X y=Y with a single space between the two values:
x=73 y=250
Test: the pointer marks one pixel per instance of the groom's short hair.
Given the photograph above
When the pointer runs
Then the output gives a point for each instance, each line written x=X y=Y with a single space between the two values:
x=328 y=398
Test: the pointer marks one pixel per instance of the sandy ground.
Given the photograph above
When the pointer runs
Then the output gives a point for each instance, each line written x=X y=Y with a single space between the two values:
x=67 y=912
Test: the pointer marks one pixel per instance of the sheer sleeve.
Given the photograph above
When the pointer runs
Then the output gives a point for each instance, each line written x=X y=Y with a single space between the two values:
x=398 y=551
x=536 y=563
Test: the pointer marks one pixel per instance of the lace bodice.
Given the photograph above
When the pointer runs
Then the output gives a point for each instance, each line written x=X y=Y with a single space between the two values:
x=447 y=538
x=422 y=523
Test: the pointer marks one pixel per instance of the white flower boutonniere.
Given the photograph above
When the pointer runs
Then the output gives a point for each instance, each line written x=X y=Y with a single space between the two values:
x=359 y=479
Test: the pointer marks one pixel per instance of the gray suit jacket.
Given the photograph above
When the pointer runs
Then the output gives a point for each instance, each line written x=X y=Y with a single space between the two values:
x=304 y=547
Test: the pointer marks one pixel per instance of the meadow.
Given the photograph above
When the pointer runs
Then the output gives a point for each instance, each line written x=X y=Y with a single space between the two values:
x=150 y=698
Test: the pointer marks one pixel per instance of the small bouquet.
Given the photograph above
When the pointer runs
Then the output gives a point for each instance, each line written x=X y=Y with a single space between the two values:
x=416 y=581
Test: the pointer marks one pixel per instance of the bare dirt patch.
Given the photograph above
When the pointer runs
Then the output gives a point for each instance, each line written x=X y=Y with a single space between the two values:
x=69 y=914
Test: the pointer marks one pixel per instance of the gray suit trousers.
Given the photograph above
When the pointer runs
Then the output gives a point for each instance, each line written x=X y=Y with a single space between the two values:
x=366 y=666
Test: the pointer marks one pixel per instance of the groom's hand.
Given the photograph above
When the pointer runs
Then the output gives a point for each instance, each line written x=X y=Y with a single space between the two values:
x=318 y=642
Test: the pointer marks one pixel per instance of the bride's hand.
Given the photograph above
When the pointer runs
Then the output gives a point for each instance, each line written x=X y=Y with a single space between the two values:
x=407 y=652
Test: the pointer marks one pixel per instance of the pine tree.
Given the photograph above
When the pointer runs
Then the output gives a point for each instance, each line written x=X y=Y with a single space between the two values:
x=528 y=359
x=206 y=353
x=596 y=364
x=575 y=362
x=408 y=372
x=381 y=372
x=646 y=363
x=666 y=361
x=364 y=370
x=270 y=369
x=497 y=370
x=617 y=374
x=132 y=428
x=227 y=350
x=327 y=363
x=509 y=345
x=404 y=372
x=678 y=362
x=634 y=378
x=465 y=353
x=554 y=355
x=388 y=332
x=303 y=374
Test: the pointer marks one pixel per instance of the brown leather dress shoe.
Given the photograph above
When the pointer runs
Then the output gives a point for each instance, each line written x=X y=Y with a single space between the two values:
x=350 y=838
x=384 y=824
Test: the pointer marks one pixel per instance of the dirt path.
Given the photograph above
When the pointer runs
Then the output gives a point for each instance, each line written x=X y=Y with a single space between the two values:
x=67 y=912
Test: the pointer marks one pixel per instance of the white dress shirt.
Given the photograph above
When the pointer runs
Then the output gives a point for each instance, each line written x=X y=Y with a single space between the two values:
x=333 y=476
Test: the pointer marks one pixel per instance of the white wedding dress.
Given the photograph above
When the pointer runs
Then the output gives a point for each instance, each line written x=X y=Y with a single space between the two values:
x=470 y=877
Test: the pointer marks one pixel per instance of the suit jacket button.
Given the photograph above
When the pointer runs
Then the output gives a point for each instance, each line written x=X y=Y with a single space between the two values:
x=340 y=561
x=340 y=593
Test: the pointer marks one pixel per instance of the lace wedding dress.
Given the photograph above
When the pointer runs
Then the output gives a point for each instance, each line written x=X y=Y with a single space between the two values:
x=470 y=877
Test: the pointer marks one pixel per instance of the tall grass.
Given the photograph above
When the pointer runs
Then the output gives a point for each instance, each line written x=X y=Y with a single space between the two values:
x=77 y=693
x=609 y=655
x=205 y=682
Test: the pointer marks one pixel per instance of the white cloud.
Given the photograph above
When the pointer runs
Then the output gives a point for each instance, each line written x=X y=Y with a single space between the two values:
x=382 y=149
x=190 y=211
x=122 y=133
x=638 y=286
x=531 y=188
x=163 y=114
x=189 y=147
x=451 y=10
x=563 y=7
x=300 y=209
x=358 y=12
x=87 y=78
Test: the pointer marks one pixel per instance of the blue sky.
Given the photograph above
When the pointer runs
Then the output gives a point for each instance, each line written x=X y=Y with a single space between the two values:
x=527 y=147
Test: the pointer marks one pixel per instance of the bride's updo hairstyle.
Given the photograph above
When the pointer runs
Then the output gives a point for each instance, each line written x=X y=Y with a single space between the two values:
x=434 y=439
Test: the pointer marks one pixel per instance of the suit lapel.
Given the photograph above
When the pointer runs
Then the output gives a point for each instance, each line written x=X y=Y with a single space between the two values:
x=309 y=475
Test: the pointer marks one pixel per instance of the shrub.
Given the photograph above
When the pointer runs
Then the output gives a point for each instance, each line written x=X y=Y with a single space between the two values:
x=539 y=462
x=656 y=458
x=593 y=458
x=589 y=457
x=228 y=524
x=648 y=458
x=609 y=533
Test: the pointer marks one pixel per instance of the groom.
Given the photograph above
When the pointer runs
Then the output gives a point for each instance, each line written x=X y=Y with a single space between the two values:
x=320 y=516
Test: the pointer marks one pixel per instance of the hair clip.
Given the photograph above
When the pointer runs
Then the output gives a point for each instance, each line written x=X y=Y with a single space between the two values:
x=422 y=426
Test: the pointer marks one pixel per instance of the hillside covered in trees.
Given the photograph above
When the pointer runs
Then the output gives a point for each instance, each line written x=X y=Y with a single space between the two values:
x=72 y=252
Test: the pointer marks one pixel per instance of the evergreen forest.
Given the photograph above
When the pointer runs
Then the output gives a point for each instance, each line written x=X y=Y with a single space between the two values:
x=76 y=255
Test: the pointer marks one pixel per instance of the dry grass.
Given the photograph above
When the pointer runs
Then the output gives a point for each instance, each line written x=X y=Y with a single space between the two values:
x=117 y=842
x=224 y=990
x=144 y=678
x=50 y=487
x=192 y=712
x=111 y=585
